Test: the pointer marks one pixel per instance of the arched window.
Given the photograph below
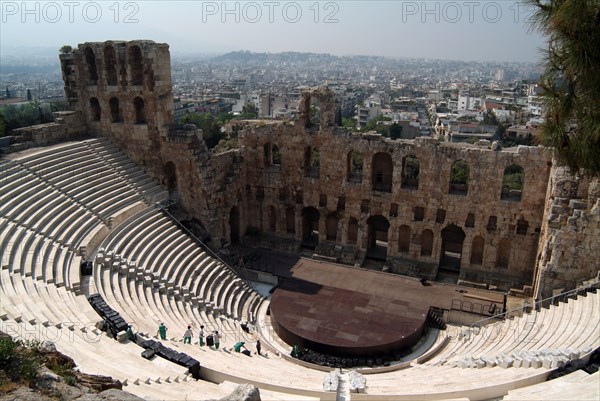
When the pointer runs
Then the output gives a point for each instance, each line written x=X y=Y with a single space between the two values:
x=140 y=111
x=404 y=239
x=312 y=162
x=512 y=183
x=95 y=111
x=110 y=65
x=276 y=155
x=272 y=219
x=290 y=220
x=90 y=60
x=115 y=110
x=477 y=250
x=410 y=172
x=331 y=225
x=354 y=166
x=459 y=178
x=310 y=227
x=503 y=256
x=426 y=242
x=352 y=230
x=377 y=239
x=136 y=65
x=383 y=169
x=272 y=157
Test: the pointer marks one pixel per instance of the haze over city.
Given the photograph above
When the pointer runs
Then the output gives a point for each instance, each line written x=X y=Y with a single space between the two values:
x=464 y=30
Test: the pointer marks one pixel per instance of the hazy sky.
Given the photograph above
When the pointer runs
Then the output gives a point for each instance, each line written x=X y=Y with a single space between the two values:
x=459 y=30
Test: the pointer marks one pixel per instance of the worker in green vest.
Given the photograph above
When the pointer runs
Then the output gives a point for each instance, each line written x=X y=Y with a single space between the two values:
x=162 y=330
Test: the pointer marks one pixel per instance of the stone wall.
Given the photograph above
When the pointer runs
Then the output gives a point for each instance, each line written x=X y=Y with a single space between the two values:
x=342 y=195
x=570 y=236
x=124 y=91
x=67 y=125
x=280 y=192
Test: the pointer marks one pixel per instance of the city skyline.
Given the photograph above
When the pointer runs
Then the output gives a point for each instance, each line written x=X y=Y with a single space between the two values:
x=467 y=30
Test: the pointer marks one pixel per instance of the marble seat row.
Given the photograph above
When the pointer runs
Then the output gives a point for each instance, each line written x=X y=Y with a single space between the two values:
x=173 y=263
x=150 y=272
x=569 y=329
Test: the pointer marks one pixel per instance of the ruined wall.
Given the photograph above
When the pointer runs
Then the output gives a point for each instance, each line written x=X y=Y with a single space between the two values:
x=311 y=184
x=124 y=91
x=570 y=236
x=67 y=125
x=278 y=193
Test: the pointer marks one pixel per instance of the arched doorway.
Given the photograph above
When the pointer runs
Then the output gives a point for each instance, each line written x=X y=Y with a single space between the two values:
x=170 y=180
x=234 y=225
x=310 y=227
x=378 y=237
x=452 y=247
x=383 y=171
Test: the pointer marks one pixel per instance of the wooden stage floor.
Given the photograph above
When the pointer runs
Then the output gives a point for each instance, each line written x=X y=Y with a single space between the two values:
x=344 y=310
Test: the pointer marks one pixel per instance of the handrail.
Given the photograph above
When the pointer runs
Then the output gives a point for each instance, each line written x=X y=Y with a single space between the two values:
x=203 y=245
x=538 y=304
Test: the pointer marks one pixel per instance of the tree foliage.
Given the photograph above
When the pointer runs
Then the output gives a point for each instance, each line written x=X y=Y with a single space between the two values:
x=18 y=116
x=571 y=81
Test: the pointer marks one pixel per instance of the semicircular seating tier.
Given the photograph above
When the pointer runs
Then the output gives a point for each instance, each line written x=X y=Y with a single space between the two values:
x=62 y=204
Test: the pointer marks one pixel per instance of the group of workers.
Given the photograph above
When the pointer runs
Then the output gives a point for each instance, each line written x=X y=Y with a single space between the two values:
x=213 y=339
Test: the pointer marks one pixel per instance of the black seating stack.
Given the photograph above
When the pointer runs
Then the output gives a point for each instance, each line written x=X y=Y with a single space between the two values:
x=113 y=320
x=171 y=355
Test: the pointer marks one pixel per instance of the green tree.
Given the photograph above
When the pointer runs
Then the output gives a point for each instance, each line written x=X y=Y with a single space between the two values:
x=2 y=125
x=489 y=118
x=25 y=115
x=211 y=127
x=249 y=111
x=395 y=131
x=380 y=128
x=571 y=81
x=349 y=123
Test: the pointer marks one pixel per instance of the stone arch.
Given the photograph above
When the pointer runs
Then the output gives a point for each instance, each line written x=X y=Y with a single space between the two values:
x=110 y=65
x=314 y=111
x=136 y=65
x=140 y=110
x=503 y=253
x=290 y=220
x=426 y=242
x=115 y=110
x=92 y=69
x=459 y=178
x=354 y=166
x=272 y=219
x=275 y=155
x=404 y=239
x=383 y=171
x=310 y=227
x=452 y=246
x=312 y=162
x=377 y=241
x=331 y=227
x=477 y=250
x=352 y=230
x=95 y=110
x=234 y=225
x=512 y=183
x=170 y=176
x=410 y=172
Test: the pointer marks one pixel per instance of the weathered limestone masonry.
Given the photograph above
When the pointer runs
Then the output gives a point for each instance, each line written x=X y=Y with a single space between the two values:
x=67 y=125
x=124 y=91
x=420 y=218
x=570 y=237
x=307 y=184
